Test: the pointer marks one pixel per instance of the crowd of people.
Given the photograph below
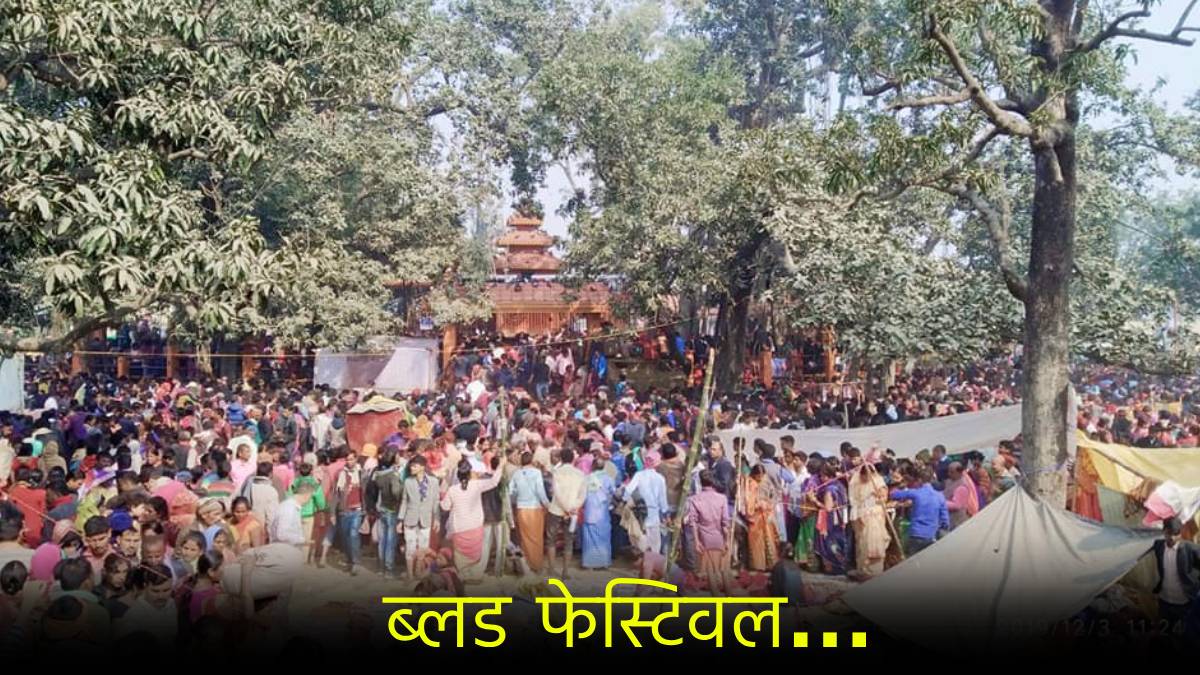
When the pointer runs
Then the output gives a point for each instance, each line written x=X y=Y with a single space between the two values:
x=169 y=509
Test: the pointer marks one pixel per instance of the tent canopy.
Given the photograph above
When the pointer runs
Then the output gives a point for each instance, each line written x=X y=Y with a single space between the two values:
x=1181 y=465
x=1006 y=575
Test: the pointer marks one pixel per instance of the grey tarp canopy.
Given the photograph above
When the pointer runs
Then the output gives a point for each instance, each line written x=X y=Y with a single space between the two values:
x=959 y=433
x=1006 y=574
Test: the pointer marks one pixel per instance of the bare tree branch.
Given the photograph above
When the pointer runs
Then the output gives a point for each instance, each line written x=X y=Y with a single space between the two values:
x=1115 y=29
x=960 y=96
x=1005 y=121
x=875 y=90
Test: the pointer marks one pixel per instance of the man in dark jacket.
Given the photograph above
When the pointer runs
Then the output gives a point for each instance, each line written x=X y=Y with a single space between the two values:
x=1178 y=565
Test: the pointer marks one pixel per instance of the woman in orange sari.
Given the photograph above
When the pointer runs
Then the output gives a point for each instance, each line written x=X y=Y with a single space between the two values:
x=248 y=532
x=759 y=511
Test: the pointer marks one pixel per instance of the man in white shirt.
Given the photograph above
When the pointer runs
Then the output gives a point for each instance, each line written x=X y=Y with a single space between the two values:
x=288 y=528
x=475 y=389
x=319 y=428
x=570 y=489
x=564 y=362
x=240 y=436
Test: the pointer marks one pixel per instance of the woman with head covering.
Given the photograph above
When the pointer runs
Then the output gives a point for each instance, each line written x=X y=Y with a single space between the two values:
x=759 y=510
x=51 y=458
x=209 y=512
x=218 y=538
x=45 y=558
x=832 y=546
x=597 y=518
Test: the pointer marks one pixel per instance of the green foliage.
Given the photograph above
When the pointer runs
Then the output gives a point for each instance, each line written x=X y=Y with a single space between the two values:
x=126 y=128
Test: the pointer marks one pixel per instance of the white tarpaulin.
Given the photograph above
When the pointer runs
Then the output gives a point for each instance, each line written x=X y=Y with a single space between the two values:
x=1006 y=574
x=959 y=433
x=12 y=383
x=391 y=365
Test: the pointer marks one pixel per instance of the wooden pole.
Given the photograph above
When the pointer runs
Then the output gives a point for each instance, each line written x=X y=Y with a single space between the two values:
x=693 y=457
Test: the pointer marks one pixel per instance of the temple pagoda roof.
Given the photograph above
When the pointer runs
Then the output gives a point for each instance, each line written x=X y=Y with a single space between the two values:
x=527 y=261
x=524 y=222
x=525 y=238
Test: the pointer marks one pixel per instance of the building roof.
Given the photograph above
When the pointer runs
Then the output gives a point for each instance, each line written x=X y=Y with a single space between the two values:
x=517 y=220
x=527 y=261
x=548 y=293
x=525 y=238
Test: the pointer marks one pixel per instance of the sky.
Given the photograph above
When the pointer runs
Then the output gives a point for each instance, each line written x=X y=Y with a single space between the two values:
x=1178 y=66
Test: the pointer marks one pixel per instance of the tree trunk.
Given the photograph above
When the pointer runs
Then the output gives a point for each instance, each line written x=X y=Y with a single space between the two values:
x=731 y=328
x=204 y=358
x=1045 y=405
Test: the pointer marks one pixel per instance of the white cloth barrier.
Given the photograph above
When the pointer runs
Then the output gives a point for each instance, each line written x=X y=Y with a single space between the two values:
x=12 y=383
x=959 y=433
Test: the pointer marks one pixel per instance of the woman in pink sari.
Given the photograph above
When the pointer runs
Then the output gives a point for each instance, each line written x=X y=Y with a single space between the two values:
x=464 y=502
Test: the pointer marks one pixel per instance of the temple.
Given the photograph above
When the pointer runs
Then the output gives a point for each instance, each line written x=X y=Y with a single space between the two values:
x=524 y=294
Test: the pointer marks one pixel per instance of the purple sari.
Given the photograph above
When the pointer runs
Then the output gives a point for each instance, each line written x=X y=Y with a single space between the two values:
x=832 y=545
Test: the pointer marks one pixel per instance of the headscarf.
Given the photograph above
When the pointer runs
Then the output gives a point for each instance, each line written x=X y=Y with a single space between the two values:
x=208 y=504
x=50 y=458
x=45 y=558
x=653 y=459
x=210 y=535
x=61 y=529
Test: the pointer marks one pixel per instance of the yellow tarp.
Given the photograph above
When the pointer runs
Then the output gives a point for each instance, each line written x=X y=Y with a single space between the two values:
x=1126 y=466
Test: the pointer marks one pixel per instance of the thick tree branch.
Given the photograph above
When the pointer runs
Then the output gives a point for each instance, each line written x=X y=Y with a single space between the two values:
x=65 y=341
x=1005 y=121
x=998 y=221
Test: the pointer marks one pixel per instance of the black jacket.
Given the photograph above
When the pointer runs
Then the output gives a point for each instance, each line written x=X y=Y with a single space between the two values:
x=1187 y=561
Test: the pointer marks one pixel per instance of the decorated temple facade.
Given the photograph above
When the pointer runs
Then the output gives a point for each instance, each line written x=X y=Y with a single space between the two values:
x=525 y=295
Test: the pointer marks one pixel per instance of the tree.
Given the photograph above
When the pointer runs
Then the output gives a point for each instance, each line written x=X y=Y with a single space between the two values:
x=128 y=125
x=973 y=72
x=668 y=126
x=1166 y=245
x=354 y=200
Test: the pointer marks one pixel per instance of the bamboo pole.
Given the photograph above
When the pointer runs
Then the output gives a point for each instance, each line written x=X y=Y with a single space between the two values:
x=737 y=479
x=693 y=457
x=507 y=518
